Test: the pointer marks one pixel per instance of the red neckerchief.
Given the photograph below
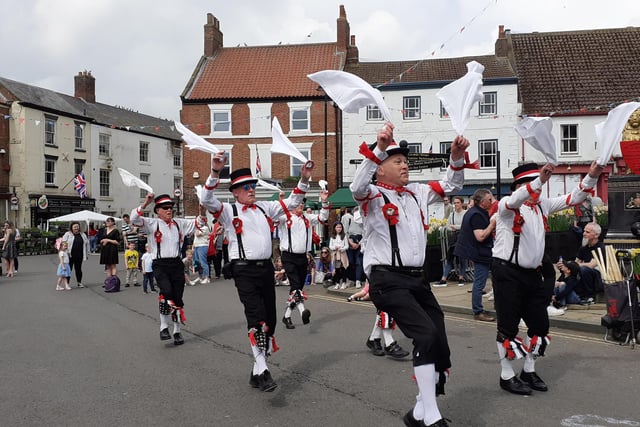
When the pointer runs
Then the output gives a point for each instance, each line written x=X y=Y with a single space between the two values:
x=252 y=206
x=532 y=205
x=399 y=190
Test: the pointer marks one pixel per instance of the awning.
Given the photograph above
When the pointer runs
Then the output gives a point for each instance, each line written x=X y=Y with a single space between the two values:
x=342 y=198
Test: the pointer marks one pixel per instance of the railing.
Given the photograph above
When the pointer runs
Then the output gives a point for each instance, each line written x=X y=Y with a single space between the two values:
x=37 y=246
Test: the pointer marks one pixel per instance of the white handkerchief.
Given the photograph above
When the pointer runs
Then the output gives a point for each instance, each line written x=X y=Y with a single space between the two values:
x=537 y=132
x=195 y=142
x=130 y=180
x=268 y=186
x=281 y=144
x=350 y=92
x=198 y=189
x=609 y=132
x=458 y=97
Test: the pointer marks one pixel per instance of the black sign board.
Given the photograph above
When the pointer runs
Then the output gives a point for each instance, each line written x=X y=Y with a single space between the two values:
x=419 y=161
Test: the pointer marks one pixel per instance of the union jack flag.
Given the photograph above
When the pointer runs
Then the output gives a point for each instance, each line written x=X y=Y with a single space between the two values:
x=80 y=184
x=258 y=164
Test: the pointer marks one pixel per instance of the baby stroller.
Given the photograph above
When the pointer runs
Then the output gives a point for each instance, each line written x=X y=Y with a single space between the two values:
x=623 y=311
x=448 y=241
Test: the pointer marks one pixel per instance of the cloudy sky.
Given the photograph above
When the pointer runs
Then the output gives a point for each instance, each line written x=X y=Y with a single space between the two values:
x=143 y=52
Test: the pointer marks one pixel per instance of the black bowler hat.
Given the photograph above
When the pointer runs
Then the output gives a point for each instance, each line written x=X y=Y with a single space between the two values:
x=161 y=201
x=393 y=148
x=241 y=176
x=524 y=173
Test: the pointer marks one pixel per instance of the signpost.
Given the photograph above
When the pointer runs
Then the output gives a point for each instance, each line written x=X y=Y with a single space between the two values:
x=419 y=161
x=177 y=193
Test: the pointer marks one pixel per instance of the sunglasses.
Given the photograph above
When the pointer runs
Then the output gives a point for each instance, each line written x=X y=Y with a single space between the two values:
x=324 y=252
x=164 y=208
x=250 y=186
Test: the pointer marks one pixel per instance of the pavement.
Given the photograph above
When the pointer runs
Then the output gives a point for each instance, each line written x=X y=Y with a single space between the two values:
x=456 y=299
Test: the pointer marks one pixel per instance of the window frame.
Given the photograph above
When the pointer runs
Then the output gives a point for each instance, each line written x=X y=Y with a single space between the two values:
x=143 y=151
x=374 y=114
x=295 y=165
x=491 y=104
x=50 y=169
x=415 y=109
x=483 y=157
x=79 y=136
x=444 y=147
x=567 y=140
x=104 y=144
x=105 y=182
x=306 y=121
x=144 y=177
x=176 y=150
x=443 y=112
x=50 y=123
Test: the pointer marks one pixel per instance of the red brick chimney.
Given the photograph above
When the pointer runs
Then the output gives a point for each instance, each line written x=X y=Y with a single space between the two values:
x=343 y=31
x=353 y=55
x=502 y=43
x=85 y=86
x=212 y=35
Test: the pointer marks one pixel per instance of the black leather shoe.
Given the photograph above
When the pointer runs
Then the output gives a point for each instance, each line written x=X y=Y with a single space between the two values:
x=287 y=322
x=165 y=335
x=306 y=314
x=409 y=421
x=266 y=382
x=376 y=347
x=395 y=351
x=253 y=380
x=534 y=381
x=177 y=339
x=515 y=386
x=440 y=423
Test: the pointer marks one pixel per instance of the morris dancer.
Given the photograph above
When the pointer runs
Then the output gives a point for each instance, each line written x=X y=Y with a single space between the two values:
x=518 y=286
x=395 y=223
x=296 y=239
x=168 y=234
x=250 y=225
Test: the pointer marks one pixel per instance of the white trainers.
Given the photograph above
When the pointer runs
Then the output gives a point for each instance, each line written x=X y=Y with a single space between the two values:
x=205 y=280
x=552 y=311
x=488 y=295
x=343 y=286
x=194 y=281
x=358 y=284
x=80 y=285
x=337 y=286
x=59 y=288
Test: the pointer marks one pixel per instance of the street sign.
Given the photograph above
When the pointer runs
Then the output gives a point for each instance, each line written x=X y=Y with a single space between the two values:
x=14 y=200
x=419 y=161
x=177 y=193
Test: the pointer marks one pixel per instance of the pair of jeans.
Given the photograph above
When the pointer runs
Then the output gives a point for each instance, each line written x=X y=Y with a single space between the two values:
x=571 y=298
x=480 y=275
x=200 y=255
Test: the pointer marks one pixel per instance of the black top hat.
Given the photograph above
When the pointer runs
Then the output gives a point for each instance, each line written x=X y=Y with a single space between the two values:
x=162 y=200
x=393 y=148
x=524 y=173
x=241 y=176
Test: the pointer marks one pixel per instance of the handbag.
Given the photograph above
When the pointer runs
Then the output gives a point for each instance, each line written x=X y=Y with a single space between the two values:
x=211 y=251
x=319 y=277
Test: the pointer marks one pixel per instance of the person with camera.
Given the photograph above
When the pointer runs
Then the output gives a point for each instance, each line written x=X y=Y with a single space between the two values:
x=250 y=225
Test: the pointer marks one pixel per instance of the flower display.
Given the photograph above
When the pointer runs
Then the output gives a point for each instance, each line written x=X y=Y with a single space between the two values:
x=434 y=233
x=601 y=213
x=561 y=220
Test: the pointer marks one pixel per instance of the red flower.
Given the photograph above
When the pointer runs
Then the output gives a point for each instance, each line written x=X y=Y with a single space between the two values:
x=390 y=212
x=158 y=236
x=237 y=225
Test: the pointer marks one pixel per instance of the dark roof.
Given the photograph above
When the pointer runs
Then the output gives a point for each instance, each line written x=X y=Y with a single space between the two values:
x=97 y=113
x=263 y=72
x=429 y=70
x=577 y=71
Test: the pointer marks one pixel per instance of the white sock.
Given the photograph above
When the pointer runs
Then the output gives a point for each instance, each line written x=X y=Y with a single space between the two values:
x=259 y=360
x=388 y=337
x=176 y=327
x=426 y=379
x=300 y=307
x=529 y=360
x=287 y=312
x=418 y=410
x=507 y=369
x=376 y=332
x=164 y=321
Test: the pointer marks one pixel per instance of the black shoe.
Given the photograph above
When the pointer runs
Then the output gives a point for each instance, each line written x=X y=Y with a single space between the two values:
x=376 y=347
x=177 y=339
x=534 y=381
x=306 y=314
x=127 y=285
x=395 y=351
x=253 y=380
x=165 y=335
x=135 y=284
x=265 y=382
x=515 y=386
x=287 y=322
x=145 y=291
x=440 y=423
x=410 y=421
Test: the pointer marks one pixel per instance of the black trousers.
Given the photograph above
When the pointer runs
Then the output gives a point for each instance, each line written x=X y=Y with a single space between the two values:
x=296 y=267
x=520 y=293
x=76 y=263
x=257 y=292
x=409 y=300
x=169 y=274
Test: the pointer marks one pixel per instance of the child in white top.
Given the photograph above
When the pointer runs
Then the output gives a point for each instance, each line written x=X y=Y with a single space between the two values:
x=63 y=268
x=147 y=270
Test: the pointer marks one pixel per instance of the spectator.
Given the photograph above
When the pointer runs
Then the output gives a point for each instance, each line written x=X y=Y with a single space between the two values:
x=16 y=264
x=109 y=244
x=311 y=270
x=338 y=245
x=132 y=259
x=354 y=251
x=454 y=223
x=9 y=250
x=190 y=274
x=63 y=271
x=475 y=242
x=584 y=213
x=200 y=249
x=589 y=274
x=568 y=289
x=79 y=247
x=147 y=270
x=346 y=219
x=324 y=267
x=93 y=240
x=448 y=209
x=129 y=232
x=219 y=238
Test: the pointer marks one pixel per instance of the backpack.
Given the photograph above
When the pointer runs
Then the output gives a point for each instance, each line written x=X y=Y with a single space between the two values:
x=112 y=284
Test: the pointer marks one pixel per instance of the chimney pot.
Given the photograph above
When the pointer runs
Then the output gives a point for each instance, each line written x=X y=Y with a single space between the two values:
x=85 y=86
